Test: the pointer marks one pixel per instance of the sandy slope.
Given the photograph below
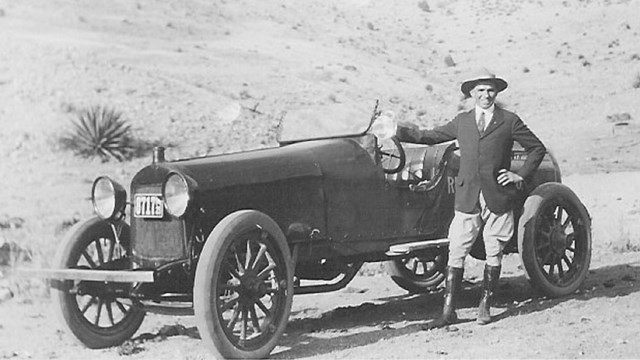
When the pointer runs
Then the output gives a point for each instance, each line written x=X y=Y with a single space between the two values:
x=209 y=77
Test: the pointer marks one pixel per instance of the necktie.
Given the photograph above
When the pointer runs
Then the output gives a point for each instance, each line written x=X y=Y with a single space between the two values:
x=481 y=123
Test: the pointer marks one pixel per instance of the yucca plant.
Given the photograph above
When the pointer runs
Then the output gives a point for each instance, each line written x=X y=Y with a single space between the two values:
x=100 y=131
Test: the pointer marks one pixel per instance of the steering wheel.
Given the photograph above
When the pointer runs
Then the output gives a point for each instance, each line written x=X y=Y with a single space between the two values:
x=392 y=159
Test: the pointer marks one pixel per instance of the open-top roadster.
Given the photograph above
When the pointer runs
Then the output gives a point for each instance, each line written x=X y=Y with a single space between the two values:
x=231 y=238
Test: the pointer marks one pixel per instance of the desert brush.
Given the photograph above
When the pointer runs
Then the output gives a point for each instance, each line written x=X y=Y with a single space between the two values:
x=100 y=131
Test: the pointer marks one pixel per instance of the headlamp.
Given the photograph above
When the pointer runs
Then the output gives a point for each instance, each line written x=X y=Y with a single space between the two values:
x=176 y=193
x=109 y=198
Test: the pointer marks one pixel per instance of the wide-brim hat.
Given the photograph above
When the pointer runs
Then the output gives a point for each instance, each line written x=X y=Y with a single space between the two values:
x=482 y=75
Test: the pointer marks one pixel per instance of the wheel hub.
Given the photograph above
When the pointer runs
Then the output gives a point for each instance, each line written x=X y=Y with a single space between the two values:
x=251 y=287
x=558 y=240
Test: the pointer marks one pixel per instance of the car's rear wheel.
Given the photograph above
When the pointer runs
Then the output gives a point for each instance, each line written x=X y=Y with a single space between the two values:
x=554 y=240
x=419 y=274
x=93 y=311
x=243 y=286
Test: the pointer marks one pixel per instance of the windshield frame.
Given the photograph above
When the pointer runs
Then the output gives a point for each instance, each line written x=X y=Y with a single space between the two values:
x=374 y=115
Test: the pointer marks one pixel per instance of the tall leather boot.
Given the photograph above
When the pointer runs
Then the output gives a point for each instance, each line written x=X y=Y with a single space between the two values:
x=451 y=291
x=489 y=284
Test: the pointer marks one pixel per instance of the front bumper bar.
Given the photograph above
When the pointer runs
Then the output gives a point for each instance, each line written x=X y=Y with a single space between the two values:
x=125 y=276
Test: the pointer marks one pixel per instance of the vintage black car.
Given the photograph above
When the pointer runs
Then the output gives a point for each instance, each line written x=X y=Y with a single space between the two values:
x=231 y=238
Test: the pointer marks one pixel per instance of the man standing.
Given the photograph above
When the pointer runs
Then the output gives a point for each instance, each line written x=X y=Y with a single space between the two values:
x=485 y=186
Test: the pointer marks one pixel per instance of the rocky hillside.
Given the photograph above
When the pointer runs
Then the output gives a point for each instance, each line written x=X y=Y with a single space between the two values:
x=207 y=77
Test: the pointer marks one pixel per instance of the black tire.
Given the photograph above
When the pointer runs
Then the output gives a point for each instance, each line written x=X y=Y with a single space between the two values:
x=419 y=274
x=97 y=321
x=243 y=286
x=554 y=240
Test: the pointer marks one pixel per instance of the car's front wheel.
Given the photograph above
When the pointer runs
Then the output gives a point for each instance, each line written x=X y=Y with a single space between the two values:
x=243 y=286
x=97 y=313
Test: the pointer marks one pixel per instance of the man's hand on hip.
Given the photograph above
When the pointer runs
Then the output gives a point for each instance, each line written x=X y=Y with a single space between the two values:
x=507 y=177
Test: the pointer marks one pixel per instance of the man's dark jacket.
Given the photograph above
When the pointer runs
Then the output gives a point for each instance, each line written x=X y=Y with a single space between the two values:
x=481 y=157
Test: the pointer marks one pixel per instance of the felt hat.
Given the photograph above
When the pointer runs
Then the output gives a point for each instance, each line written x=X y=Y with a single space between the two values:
x=479 y=76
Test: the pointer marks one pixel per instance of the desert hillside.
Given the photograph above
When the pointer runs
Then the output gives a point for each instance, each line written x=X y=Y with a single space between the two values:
x=210 y=77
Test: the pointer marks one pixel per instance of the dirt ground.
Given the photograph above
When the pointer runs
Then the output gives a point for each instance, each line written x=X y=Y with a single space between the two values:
x=374 y=318
x=203 y=77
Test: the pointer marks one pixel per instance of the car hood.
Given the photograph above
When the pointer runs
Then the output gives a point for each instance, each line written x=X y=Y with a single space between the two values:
x=304 y=159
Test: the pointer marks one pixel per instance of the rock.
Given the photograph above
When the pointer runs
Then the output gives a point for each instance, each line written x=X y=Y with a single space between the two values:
x=424 y=6
x=448 y=60
x=5 y=294
x=172 y=330
x=619 y=118
x=129 y=348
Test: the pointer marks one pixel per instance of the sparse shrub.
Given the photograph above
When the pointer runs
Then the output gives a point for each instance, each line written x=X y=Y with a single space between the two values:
x=12 y=253
x=66 y=224
x=100 y=131
x=623 y=239
x=625 y=243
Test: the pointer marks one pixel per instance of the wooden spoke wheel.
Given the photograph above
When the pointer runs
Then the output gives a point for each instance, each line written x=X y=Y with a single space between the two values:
x=554 y=240
x=94 y=311
x=243 y=286
x=419 y=274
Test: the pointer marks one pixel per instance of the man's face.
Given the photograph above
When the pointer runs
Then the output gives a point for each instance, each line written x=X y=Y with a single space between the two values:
x=484 y=94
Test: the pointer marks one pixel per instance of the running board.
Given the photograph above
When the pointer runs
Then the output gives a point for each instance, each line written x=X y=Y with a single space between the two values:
x=407 y=248
x=166 y=309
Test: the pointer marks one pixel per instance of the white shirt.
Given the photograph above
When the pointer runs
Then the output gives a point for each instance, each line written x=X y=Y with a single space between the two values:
x=488 y=114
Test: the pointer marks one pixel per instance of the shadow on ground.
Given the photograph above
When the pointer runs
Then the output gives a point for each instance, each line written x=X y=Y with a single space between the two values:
x=401 y=315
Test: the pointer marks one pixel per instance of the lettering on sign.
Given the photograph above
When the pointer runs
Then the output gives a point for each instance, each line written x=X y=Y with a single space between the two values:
x=451 y=185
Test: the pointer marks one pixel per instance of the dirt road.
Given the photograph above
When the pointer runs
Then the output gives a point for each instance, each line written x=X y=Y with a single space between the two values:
x=373 y=318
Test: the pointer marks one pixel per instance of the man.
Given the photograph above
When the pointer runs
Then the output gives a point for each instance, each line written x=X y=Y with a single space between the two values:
x=485 y=186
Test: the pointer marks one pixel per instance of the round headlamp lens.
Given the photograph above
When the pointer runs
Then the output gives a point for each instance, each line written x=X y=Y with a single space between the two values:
x=104 y=197
x=176 y=195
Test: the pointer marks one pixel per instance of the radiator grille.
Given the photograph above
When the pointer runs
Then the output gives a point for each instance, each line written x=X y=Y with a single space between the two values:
x=157 y=239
